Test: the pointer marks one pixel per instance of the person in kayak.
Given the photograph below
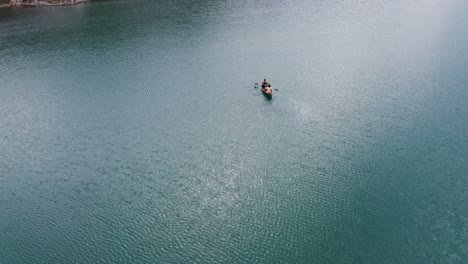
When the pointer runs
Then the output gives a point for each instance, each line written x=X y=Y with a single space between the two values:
x=265 y=84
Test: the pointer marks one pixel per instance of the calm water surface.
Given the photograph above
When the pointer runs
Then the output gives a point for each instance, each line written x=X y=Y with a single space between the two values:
x=130 y=132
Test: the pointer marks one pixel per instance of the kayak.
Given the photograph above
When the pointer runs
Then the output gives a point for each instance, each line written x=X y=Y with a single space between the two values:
x=267 y=91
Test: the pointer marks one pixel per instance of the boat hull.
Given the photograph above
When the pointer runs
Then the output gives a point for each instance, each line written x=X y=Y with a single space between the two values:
x=267 y=91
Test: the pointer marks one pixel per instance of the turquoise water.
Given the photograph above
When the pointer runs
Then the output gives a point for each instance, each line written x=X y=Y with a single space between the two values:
x=130 y=132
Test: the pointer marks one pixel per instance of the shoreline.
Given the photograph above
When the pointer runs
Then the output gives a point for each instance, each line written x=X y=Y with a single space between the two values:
x=19 y=3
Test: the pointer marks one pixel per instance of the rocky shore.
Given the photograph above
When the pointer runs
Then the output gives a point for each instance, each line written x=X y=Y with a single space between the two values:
x=19 y=3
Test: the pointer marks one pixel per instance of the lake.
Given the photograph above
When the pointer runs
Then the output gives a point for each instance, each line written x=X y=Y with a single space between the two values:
x=131 y=132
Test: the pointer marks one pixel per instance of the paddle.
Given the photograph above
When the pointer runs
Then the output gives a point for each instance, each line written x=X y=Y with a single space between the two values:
x=255 y=84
